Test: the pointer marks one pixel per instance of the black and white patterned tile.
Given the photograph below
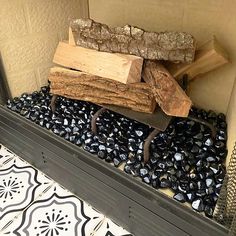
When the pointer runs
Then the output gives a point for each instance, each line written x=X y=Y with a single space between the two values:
x=5 y=155
x=20 y=185
x=33 y=204
x=109 y=228
x=56 y=212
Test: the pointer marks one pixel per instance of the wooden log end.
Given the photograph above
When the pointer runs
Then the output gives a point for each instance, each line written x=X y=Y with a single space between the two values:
x=180 y=108
x=71 y=37
x=208 y=57
x=168 y=94
x=123 y=68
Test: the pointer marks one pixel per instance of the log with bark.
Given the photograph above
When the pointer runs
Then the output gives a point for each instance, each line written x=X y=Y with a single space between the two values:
x=168 y=94
x=123 y=68
x=92 y=88
x=208 y=57
x=171 y=46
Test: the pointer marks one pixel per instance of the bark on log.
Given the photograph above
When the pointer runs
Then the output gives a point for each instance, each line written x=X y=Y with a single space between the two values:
x=87 y=87
x=168 y=94
x=172 y=46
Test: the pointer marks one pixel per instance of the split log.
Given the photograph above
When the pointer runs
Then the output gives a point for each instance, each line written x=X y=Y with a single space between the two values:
x=172 y=46
x=92 y=88
x=208 y=57
x=71 y=38
x=168 y=94
x=119 y=67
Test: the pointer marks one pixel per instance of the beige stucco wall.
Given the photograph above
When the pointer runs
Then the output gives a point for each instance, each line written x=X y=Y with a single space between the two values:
x=201 y=18
x=29 y=33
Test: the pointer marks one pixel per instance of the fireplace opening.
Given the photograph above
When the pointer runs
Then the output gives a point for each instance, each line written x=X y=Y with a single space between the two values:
x=140 y=107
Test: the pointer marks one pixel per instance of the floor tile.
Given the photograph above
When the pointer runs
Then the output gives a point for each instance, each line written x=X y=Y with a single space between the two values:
x=109 y=228
x=33 y=204
x=56 y=212
x=20 y=185
x=5 y=155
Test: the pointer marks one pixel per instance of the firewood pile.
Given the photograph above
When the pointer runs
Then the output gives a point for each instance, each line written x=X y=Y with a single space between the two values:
x=129 y=67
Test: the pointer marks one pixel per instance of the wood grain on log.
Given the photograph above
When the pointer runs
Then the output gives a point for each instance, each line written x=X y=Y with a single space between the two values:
x=87 y=87
x=172 y=46
x=116 y=66
x=168 y=94
x=71 y=38
x=207 y=58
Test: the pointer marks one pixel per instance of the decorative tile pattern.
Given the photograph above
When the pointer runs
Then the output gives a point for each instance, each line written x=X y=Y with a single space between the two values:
x=33 y=204
x=56 y=212
x=20 y=185
x=5 y=155
x=109 y=228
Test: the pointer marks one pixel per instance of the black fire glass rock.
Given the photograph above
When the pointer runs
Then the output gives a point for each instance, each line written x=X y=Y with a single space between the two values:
x=185 y=158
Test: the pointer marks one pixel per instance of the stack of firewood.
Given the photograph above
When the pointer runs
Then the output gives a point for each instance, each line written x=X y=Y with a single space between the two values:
x=122 y=66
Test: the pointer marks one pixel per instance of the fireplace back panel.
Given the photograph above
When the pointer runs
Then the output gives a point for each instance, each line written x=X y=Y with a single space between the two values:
x=137 y=207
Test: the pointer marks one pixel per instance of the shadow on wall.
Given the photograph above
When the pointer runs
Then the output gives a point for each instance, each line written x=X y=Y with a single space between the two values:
x=4 y=89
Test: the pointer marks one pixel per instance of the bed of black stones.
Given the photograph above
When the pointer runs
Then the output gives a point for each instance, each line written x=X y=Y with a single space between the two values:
x=184 y=158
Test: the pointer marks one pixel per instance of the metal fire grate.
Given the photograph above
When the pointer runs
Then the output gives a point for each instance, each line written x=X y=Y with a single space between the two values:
x=158 y=120
x=225 y=212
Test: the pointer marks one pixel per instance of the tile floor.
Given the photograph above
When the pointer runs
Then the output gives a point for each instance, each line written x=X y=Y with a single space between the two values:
x=33 y=204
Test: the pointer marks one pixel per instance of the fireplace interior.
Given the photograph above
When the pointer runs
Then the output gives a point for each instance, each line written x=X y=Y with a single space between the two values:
x=154 y=174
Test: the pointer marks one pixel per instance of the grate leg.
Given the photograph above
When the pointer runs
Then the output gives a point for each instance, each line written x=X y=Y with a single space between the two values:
x=53 y=103
x=203 y=122
x=147 y=143
x=94 y=119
